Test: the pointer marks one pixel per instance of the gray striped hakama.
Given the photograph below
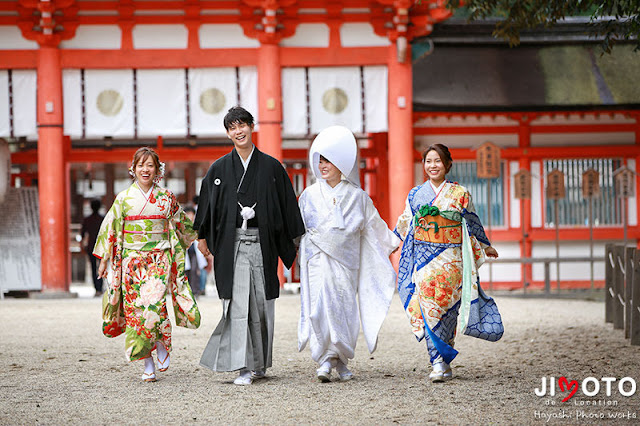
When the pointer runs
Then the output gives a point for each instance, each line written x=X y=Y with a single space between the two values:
x=244 y=336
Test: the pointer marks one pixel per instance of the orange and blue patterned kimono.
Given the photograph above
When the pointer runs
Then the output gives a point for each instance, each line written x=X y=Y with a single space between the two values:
x=145 y=237
x=438 y=282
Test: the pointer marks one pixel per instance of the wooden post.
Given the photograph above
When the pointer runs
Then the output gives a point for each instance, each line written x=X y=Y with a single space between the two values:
x=634 y=331
x=270 y=100
x=618 y=289
x=608 y=282
x=51 y=173
x=629 y=253
x=400 y=132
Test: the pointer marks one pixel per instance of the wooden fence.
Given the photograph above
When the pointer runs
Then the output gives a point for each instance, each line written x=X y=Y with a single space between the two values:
x=622 y=284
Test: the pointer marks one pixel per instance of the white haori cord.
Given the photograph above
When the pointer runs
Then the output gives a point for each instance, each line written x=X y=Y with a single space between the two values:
x=246 y=213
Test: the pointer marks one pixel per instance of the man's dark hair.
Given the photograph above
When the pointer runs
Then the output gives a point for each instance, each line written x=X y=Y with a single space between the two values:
x=95 y=205
x=195 y=199
x=237 y=114
x=188 y=209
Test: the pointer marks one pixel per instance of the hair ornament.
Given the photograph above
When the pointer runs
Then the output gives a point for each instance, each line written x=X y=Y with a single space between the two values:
x=160 y=173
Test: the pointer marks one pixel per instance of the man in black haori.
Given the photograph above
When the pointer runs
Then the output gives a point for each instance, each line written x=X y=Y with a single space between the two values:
x=247 y=217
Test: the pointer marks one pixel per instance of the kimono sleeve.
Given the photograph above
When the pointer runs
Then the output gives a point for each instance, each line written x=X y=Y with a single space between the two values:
x=110 y=231
x=376 y=280
x=473 y=221
x=376 y=229
x=201 y=222
x=182 y=224
x=404 y=221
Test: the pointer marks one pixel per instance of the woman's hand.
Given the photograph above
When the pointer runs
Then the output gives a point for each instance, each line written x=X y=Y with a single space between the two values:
x=491 y=252
x=202 y=246
x=102 y=269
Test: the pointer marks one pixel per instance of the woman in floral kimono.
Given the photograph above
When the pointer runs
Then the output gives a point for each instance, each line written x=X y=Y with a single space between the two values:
x=345 y=273
x=444 y=244
x=142 y=245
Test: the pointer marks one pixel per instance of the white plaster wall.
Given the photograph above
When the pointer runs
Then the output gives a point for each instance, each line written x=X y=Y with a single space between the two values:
x=224 y=36
x=11 y=39
x=515 y=215
x=308 y=35
x=595 y=138
x=95 y=37
x=160 y=37
x=568 y=249
x=465 y=141
x=360 y=34
x=502 y=272
x=5 y=124
x=536 y=194
x=632 y=212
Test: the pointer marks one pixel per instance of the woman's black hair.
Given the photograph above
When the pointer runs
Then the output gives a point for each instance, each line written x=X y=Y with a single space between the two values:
x=443 y=152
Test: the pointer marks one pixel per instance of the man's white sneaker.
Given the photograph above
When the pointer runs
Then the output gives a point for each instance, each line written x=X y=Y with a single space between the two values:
x=244 y=378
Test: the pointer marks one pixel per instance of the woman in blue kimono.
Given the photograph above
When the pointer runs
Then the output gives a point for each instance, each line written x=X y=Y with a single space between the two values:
x=444 y=244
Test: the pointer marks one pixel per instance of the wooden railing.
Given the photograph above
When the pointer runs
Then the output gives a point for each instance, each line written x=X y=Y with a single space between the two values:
x=622 y=284
x=547 y=261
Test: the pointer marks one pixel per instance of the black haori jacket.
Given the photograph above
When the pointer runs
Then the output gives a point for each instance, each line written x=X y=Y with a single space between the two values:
x=277 y=213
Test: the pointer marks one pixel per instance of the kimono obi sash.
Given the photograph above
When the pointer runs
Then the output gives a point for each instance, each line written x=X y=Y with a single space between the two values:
x=435 y=226
x=146 y=232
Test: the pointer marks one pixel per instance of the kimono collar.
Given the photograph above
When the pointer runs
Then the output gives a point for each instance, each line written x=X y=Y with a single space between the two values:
x=436 y=190
x=145 y=194
x=332 y=197
x=245 y=163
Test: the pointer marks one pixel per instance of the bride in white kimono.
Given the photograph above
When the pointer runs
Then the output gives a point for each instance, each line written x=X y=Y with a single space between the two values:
x=345 y=273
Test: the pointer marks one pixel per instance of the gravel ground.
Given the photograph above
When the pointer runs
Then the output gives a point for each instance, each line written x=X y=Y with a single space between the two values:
x=57 y=368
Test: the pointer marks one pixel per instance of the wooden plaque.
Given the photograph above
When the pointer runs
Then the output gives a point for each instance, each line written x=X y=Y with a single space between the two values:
x=555 y=185
x=488 y=161
x=523 y=184
x=590 y=183
x=625 y=181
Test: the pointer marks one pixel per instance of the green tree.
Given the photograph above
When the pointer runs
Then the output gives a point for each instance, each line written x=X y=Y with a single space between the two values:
x=613 y=20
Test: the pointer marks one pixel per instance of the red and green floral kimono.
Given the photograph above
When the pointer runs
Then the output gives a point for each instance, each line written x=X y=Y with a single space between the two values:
x=145 y=237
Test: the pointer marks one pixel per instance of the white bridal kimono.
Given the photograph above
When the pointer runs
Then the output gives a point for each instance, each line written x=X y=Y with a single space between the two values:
x=345 y=273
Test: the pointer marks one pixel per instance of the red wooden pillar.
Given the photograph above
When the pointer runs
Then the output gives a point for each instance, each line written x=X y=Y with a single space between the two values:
x=269 y=99
x=637 y=118
x=51 y=173
x=400 y=156
x=526 y=249
x=382 y=178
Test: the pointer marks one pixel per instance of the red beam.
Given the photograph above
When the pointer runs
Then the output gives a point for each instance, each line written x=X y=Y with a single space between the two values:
x=464 y=130
x=18 y=59
x=342 y=56
x=543 y=129
x=160 y=58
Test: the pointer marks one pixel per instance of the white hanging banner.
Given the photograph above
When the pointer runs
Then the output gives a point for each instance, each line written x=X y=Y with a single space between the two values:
x=72 y=100
x=109 y=103
x=335 y=98
x=249 y=92
x=294 y=102
x=212 y=91
x=161 y=99
x=5 y=123
x=376 y=99
x=24 y=103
